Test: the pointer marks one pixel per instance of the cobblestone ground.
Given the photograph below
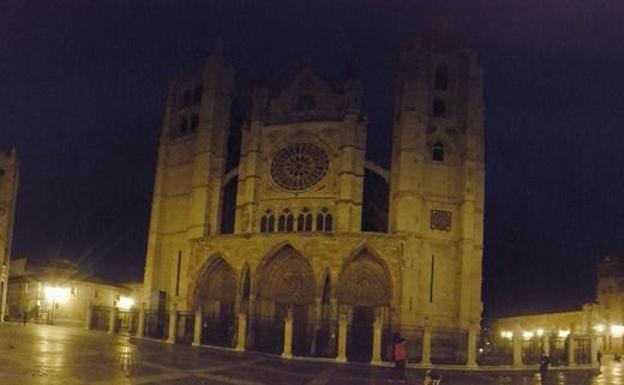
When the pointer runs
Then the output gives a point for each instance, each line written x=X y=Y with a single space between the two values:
x=42 y=354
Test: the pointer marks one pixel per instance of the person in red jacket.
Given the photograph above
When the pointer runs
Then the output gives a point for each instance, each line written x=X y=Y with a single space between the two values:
x=400 y=357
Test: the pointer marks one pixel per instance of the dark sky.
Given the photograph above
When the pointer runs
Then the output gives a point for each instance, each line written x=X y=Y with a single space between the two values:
x=82 y=91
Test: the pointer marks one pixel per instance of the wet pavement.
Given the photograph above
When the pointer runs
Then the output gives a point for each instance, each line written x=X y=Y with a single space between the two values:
x=42 y=354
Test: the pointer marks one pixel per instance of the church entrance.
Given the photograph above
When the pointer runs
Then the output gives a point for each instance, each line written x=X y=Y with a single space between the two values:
x=363 y=287
x=285 y=283
x=360 y=341
x=216 y=293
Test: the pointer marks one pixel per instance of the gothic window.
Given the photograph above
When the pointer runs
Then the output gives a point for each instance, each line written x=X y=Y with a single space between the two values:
x=437 y=152
x=300 y=166
x=194 y=122
x=439 y=108
x=440 y=220
x=271 y=224
x=289 y=222
x=267 y=222
x=197 y=95
x=308 y=222
x=281 y=223
x=304 y=220
x=305 y=103
x=300 y=222
x=324 y=220
x=441 y=77
x=329 y=222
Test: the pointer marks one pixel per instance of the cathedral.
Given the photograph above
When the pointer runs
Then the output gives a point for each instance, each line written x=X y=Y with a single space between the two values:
x=271 y=231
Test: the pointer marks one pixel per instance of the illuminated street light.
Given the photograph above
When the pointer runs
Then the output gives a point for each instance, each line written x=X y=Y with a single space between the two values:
x=617 y=331
x=563 y=333
x=527 y=335
x=599 y=328
x=539 y=332
x=55 y=295
x=125 y=303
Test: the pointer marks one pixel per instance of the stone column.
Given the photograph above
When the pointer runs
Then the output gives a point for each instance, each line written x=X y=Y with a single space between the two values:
x=198 y=326
x=343 y=324
x=112 y=321
x=173 y=321
x=141 y=325
x=426 y=346
x=288 y=334
x=571 y=350
x=472 y=347
x=546 y=343
x=241 y=333
x=517 y=348
x=594 y=351
x=377 y=326
x=89 y=316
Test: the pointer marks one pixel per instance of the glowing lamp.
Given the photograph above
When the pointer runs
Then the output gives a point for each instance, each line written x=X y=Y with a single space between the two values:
x=125 y=303
x=56 y=294
x=507 y=334
x=539 y=332
x=527 y=335
x=617 y=330
x=599 y=328
x=563 y=333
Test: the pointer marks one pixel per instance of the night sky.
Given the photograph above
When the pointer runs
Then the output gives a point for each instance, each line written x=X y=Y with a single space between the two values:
x=82 y=89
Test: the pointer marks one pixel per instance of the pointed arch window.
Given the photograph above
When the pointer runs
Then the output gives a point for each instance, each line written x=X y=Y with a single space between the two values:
x=437 y=152
x=281 y=223
x=324 y=220
x=439 y=108
x=267 y=222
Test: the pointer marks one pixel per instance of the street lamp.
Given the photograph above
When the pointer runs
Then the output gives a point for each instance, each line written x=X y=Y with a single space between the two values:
x=55 y=295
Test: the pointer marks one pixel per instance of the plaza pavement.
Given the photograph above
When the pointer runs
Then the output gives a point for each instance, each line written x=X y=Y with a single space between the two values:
x=44 y=354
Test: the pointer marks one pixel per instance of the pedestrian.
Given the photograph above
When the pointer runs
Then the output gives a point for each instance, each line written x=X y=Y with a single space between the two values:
x=599 y=356
x=543 y=366
x=400 y=357
x=25 y=317
x=431 y=378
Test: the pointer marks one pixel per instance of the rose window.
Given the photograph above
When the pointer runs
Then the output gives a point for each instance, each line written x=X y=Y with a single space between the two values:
x=299 y=166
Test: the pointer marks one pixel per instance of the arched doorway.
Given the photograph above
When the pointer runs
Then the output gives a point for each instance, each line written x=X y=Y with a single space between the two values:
x=285 y=283
x=324 y=344
x=364 y=288
x=216 y=294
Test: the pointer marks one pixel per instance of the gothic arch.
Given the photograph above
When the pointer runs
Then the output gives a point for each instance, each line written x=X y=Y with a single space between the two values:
x=287 y=277
x=365 y=280
x=215 y=282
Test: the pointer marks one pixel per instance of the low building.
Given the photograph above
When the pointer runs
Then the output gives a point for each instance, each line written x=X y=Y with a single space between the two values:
x=57 y=292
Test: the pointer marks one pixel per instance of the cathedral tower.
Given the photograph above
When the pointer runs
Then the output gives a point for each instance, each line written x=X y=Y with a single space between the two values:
x=187 y=188
x=9 y=172
x=437 y=176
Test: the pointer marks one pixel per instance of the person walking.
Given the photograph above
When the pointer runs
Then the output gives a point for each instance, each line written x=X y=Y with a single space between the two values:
x=25 y=317
x=543 y=366
x=400 y=357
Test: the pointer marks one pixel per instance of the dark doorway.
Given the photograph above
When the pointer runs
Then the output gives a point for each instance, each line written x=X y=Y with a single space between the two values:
x=360 y=344
x=218 y=329
x=300 y=330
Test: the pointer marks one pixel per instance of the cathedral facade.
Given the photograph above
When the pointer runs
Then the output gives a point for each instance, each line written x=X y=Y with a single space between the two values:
x=276 y=234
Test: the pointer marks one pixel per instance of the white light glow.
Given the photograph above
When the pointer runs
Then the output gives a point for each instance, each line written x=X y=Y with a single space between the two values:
x=125 y=303
x=527 y=335
x=563 y=333
x=599 y=328
x=539 y=332
x=57 y=294
x=507 y=334
x=617 y=331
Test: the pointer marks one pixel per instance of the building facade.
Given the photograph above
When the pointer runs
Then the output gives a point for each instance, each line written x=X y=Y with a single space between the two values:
x=268 y=221
x=56 y=292
x=9 y=175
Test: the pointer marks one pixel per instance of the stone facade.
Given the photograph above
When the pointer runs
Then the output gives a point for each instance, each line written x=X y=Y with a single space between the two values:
x=9 y=173
x=271 y=235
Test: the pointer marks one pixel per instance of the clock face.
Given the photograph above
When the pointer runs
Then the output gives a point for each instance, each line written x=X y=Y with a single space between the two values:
x=298 y=167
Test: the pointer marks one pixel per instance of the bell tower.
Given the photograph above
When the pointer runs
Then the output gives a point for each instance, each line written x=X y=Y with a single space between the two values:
x=437 y=176
x=186 y=201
